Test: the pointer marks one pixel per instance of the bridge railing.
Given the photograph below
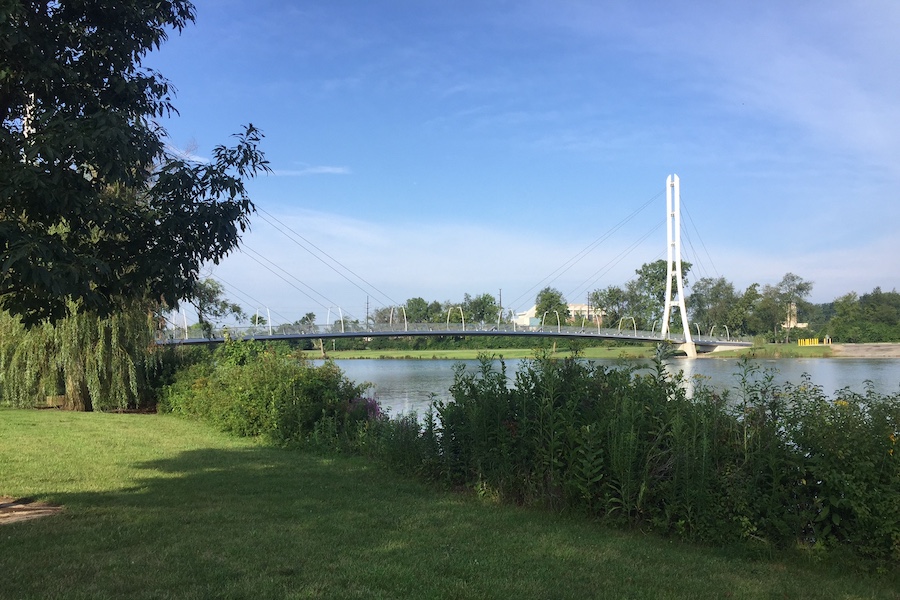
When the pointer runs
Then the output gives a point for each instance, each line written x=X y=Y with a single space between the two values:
x=350 y=329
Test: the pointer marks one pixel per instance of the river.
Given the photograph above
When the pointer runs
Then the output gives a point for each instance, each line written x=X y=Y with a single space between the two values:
x=402 y=386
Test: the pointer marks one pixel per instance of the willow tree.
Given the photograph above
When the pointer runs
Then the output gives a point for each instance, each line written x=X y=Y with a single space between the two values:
x=88 y=362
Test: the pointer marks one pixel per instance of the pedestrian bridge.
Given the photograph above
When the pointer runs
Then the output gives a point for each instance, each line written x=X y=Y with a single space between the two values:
x=340 y=329
x=589 y=330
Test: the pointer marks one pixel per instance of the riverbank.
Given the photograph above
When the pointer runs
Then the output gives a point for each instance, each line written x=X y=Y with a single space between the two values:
x=865 y=350
x=630 y=352
x=884 y=350
x=633 y=352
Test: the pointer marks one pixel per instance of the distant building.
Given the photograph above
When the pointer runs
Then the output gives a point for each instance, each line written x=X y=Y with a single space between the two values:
x=791 y=322
x=577 y=312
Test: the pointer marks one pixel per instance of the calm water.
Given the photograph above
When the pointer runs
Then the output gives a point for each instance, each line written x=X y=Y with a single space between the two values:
x=406 y=385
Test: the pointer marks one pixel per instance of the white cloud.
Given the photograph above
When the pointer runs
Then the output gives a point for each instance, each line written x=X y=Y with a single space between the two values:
x=823 y=66
x=187 y=155
x=316 y=170
x=401 y=260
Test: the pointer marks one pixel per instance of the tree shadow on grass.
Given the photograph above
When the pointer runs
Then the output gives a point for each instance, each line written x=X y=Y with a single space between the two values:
x=270 y=523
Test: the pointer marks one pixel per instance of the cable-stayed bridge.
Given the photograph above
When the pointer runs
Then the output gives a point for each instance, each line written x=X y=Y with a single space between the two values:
x=340 y=329
x=590 y=329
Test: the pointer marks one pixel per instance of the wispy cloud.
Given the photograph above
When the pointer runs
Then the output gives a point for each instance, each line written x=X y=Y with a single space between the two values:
x=316 y=170
x=187 y=155
x=819 y=68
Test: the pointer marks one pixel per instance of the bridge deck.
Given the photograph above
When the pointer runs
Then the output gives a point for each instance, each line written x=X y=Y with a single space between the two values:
x=337 y=331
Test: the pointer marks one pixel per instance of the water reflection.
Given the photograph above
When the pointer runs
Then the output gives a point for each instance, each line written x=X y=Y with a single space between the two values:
x=403 y=386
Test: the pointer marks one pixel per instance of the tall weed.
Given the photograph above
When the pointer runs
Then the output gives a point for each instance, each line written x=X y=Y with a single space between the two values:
x=776 y=464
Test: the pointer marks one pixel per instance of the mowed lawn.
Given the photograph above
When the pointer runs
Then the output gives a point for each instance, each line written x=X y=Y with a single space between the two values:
x=158 y=507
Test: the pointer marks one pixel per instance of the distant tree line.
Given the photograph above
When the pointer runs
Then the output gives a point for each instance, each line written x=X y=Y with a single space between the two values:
x=776 y=313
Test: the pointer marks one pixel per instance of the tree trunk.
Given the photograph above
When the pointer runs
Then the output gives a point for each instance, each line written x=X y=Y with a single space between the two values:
x=77 y=395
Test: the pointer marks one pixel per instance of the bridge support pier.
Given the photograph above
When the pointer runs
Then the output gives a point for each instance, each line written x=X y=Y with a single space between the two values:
x=689 y=348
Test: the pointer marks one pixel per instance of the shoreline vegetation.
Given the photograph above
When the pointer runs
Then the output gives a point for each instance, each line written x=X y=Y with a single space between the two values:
x=884 y=350
x=158 y=506
x=781 y=464
x=580 y=477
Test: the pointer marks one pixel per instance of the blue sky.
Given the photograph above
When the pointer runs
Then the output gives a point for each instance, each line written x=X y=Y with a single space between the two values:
x=437 y=148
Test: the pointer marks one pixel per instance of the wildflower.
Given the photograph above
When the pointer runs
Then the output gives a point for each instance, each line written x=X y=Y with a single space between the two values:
x=841 y=403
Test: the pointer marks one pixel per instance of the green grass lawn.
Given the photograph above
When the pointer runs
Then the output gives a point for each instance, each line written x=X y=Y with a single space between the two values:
x=157 y=507
x=778 y=351
x=626 y=352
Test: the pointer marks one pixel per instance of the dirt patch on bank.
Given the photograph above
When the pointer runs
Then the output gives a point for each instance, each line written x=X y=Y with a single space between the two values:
x=865 y=350
x=13 y=510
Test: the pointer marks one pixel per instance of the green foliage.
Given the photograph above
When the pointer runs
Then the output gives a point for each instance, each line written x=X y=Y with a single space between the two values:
x=95 y=210
x=550 y=303
x=872 y=317
x=712 y=303
x=850 y=475
x=157 y=507
x=775 y=465
x=482 y=308
x=255 y=390
x=82 y=362
x=208 y=297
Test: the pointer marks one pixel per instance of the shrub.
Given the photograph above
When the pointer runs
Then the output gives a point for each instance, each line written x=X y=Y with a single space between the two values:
x=253 y=390
x=775 y=464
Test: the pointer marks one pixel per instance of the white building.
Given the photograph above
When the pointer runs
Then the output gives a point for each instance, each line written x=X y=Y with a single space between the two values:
x=577 y=312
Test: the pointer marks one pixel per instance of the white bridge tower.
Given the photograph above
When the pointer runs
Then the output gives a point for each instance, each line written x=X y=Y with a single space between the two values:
x=673 y=268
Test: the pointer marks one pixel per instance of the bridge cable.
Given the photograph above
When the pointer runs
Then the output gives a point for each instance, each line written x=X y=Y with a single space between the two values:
x=246 y=296
x=697 y=264
x=293 y=235
x=259 y=258
x=559 y=271
x=595 y=277
x=699 y=237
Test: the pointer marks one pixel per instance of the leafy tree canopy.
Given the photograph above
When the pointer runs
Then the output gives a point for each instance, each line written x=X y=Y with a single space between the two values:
x=95 y=209
x=551 y=301
x=712 y=303
x=481 y=308
x=612 y=303
x=212 y=306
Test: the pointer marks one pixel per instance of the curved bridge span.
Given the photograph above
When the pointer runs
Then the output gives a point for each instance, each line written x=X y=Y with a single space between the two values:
x=340 y=330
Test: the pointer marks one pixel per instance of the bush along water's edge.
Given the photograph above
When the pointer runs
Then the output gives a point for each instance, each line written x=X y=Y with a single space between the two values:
x=769 y=464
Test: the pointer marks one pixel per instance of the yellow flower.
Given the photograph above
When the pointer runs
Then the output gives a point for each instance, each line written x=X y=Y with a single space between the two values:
x=841 y=403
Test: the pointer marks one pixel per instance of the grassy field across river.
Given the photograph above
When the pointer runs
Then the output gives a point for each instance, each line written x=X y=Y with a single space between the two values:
x=160 y=507
x=508 y=353
x=595 y=352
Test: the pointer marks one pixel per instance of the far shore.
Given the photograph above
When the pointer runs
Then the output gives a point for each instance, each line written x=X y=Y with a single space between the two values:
x=882 y=350
x=866 y=350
